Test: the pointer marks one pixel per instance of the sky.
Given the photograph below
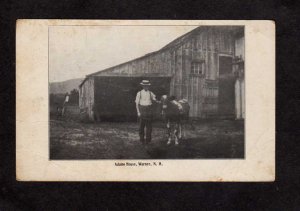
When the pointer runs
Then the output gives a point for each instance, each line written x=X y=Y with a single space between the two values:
x=76 y=51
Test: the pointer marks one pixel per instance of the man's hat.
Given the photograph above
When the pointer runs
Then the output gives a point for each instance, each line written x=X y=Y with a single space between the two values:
x=145 y=83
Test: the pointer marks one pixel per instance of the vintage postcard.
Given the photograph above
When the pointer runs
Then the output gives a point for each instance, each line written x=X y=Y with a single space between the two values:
x=145 y=100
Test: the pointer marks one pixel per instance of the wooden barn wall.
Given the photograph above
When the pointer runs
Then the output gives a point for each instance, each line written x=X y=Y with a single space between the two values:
x=201 y=91
x=156 y=64
x=240 y=83
x=86 y=97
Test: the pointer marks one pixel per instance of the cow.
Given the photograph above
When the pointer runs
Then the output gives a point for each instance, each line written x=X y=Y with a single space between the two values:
x=175 y=113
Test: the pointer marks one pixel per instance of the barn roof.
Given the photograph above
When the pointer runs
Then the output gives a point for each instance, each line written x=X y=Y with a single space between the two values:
x=172 y=44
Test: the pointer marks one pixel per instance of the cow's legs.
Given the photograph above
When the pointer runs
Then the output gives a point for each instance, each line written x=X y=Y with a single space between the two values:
x=176 y=131
x=180 y=130
x=169 y=134
x=169 y=140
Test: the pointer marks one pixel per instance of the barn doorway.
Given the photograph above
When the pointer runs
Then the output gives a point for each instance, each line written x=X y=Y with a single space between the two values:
x=115 y=95
x=226 y=99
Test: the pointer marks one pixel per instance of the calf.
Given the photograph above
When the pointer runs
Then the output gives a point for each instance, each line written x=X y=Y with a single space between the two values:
x=175 y=113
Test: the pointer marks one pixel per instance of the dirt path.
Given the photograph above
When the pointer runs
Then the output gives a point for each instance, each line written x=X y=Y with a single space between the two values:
x=214 y=139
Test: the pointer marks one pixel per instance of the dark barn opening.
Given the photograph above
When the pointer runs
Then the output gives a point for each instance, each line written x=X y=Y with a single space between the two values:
x=226 y=103
x=115 y=96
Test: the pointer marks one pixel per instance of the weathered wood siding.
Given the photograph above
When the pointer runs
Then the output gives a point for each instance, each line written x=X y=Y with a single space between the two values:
x=153 y=64
x=175 y=60
x=86 y=97
x=240 y=82
x=240 y=98
x=201 y=91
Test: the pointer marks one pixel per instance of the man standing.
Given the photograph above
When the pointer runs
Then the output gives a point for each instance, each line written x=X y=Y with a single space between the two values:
x=144 y=100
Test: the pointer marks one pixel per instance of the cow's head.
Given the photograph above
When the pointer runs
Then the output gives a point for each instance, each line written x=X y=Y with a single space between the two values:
x=165 y=101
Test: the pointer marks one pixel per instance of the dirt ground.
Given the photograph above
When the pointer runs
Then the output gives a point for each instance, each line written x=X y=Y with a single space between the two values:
x=111 y=140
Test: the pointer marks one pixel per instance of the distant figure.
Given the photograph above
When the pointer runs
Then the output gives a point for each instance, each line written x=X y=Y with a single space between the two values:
x=66 y=102
x=144 y=100
x=58 y=111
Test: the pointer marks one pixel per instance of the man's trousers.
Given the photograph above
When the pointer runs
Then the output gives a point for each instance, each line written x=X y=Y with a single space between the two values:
x=145 y=123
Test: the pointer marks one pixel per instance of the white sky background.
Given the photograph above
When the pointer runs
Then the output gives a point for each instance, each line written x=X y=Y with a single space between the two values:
x=75 y=51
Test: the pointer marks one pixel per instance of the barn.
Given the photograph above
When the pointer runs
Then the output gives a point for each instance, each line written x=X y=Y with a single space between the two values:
x=204 y=66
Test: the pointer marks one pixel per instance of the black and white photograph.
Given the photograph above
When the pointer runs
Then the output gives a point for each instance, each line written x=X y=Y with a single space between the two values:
x=146 y=92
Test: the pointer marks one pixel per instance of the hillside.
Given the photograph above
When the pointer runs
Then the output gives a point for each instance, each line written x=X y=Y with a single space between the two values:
x=64 y=86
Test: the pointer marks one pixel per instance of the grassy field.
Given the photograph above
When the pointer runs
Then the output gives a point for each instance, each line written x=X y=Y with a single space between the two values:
x=110 y=140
